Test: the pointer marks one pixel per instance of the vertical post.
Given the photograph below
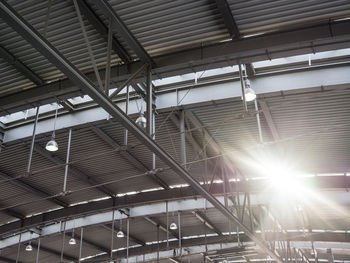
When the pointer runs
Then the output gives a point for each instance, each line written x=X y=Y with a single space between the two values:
x=67 y=162
x=112 y=235
x=157 y=243
x=258 y=120
x=63 y=239
x=108 y=65
x=149 y=100
x=154 y=137
x=29 y=165
x=182 y=139
x=243 y=87
x=126 y=112
x=127 y=239
x=19 y=247
x=179 y=224
x=81 y=243
x=167 y=223
x=150 y=127
x=37 y=252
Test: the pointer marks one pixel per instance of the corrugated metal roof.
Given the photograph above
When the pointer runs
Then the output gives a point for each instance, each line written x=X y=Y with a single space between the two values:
x=259 y=16
x=160 y=26
x=164 y=26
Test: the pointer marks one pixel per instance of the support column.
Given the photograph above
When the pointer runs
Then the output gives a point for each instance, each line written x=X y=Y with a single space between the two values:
x=182 y=139
x=149 y=101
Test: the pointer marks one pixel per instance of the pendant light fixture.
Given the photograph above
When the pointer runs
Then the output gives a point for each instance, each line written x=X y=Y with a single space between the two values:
x=141 y=121
x=72 y=241
x=29 y=247
x=52 y=145
x=173 y=225
x=120 y=233
x=248 y=91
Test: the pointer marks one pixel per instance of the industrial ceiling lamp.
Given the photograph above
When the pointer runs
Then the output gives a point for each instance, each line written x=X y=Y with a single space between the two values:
x=72 y=241
x=52 y=145
x=120 y=233
x=248 y=91
x=173 y=226
x=29 y=247
x=141 y=121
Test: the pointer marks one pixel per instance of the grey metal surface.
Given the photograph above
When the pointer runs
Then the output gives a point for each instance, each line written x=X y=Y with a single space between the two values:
x=260 y=16
x=180 y=23
x=32 y=36
x=294 y=115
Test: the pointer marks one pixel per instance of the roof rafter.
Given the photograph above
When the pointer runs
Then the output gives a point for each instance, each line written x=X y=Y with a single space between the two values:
x=229 y=20
x=32 y=189
x=17 y=64
x=130 y=157
x=156 y=222
x=270 y=122
x=122 y=30
x=81 y=175
x=100 y=27
x=323 y=182
x=204 y=219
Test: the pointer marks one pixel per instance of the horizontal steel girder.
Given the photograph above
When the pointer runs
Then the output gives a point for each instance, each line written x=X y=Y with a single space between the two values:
x=152 y=203
x=313 y=79
x=264 y=47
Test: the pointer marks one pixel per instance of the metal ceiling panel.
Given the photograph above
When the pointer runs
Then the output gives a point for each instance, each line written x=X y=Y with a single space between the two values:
x=258 y=16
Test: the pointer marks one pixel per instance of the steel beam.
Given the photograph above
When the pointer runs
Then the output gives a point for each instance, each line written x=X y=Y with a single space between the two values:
x=190 y=138
x=270 y=122
x=204 y=219
x=128 y=81
x=229 y=20
x=250 y=70
x=183 y=155
x=101 y=28
x=56 y=253
x=139 y=90
x=32 y=189
x=12 y=212
x=127 y=155
x=149 y=101
x=324 y=182
x=309 y=82
x=67 y=105
x=154 y=221
x=8 y=260
x=213 y=146
x=295 y=42
x=187 y=244
x=122 y=30
x=72 y=170
x=17 y=64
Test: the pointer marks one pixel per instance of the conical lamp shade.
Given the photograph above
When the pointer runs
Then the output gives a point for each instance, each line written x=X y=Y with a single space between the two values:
x=51 y=146
x=173 y=226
